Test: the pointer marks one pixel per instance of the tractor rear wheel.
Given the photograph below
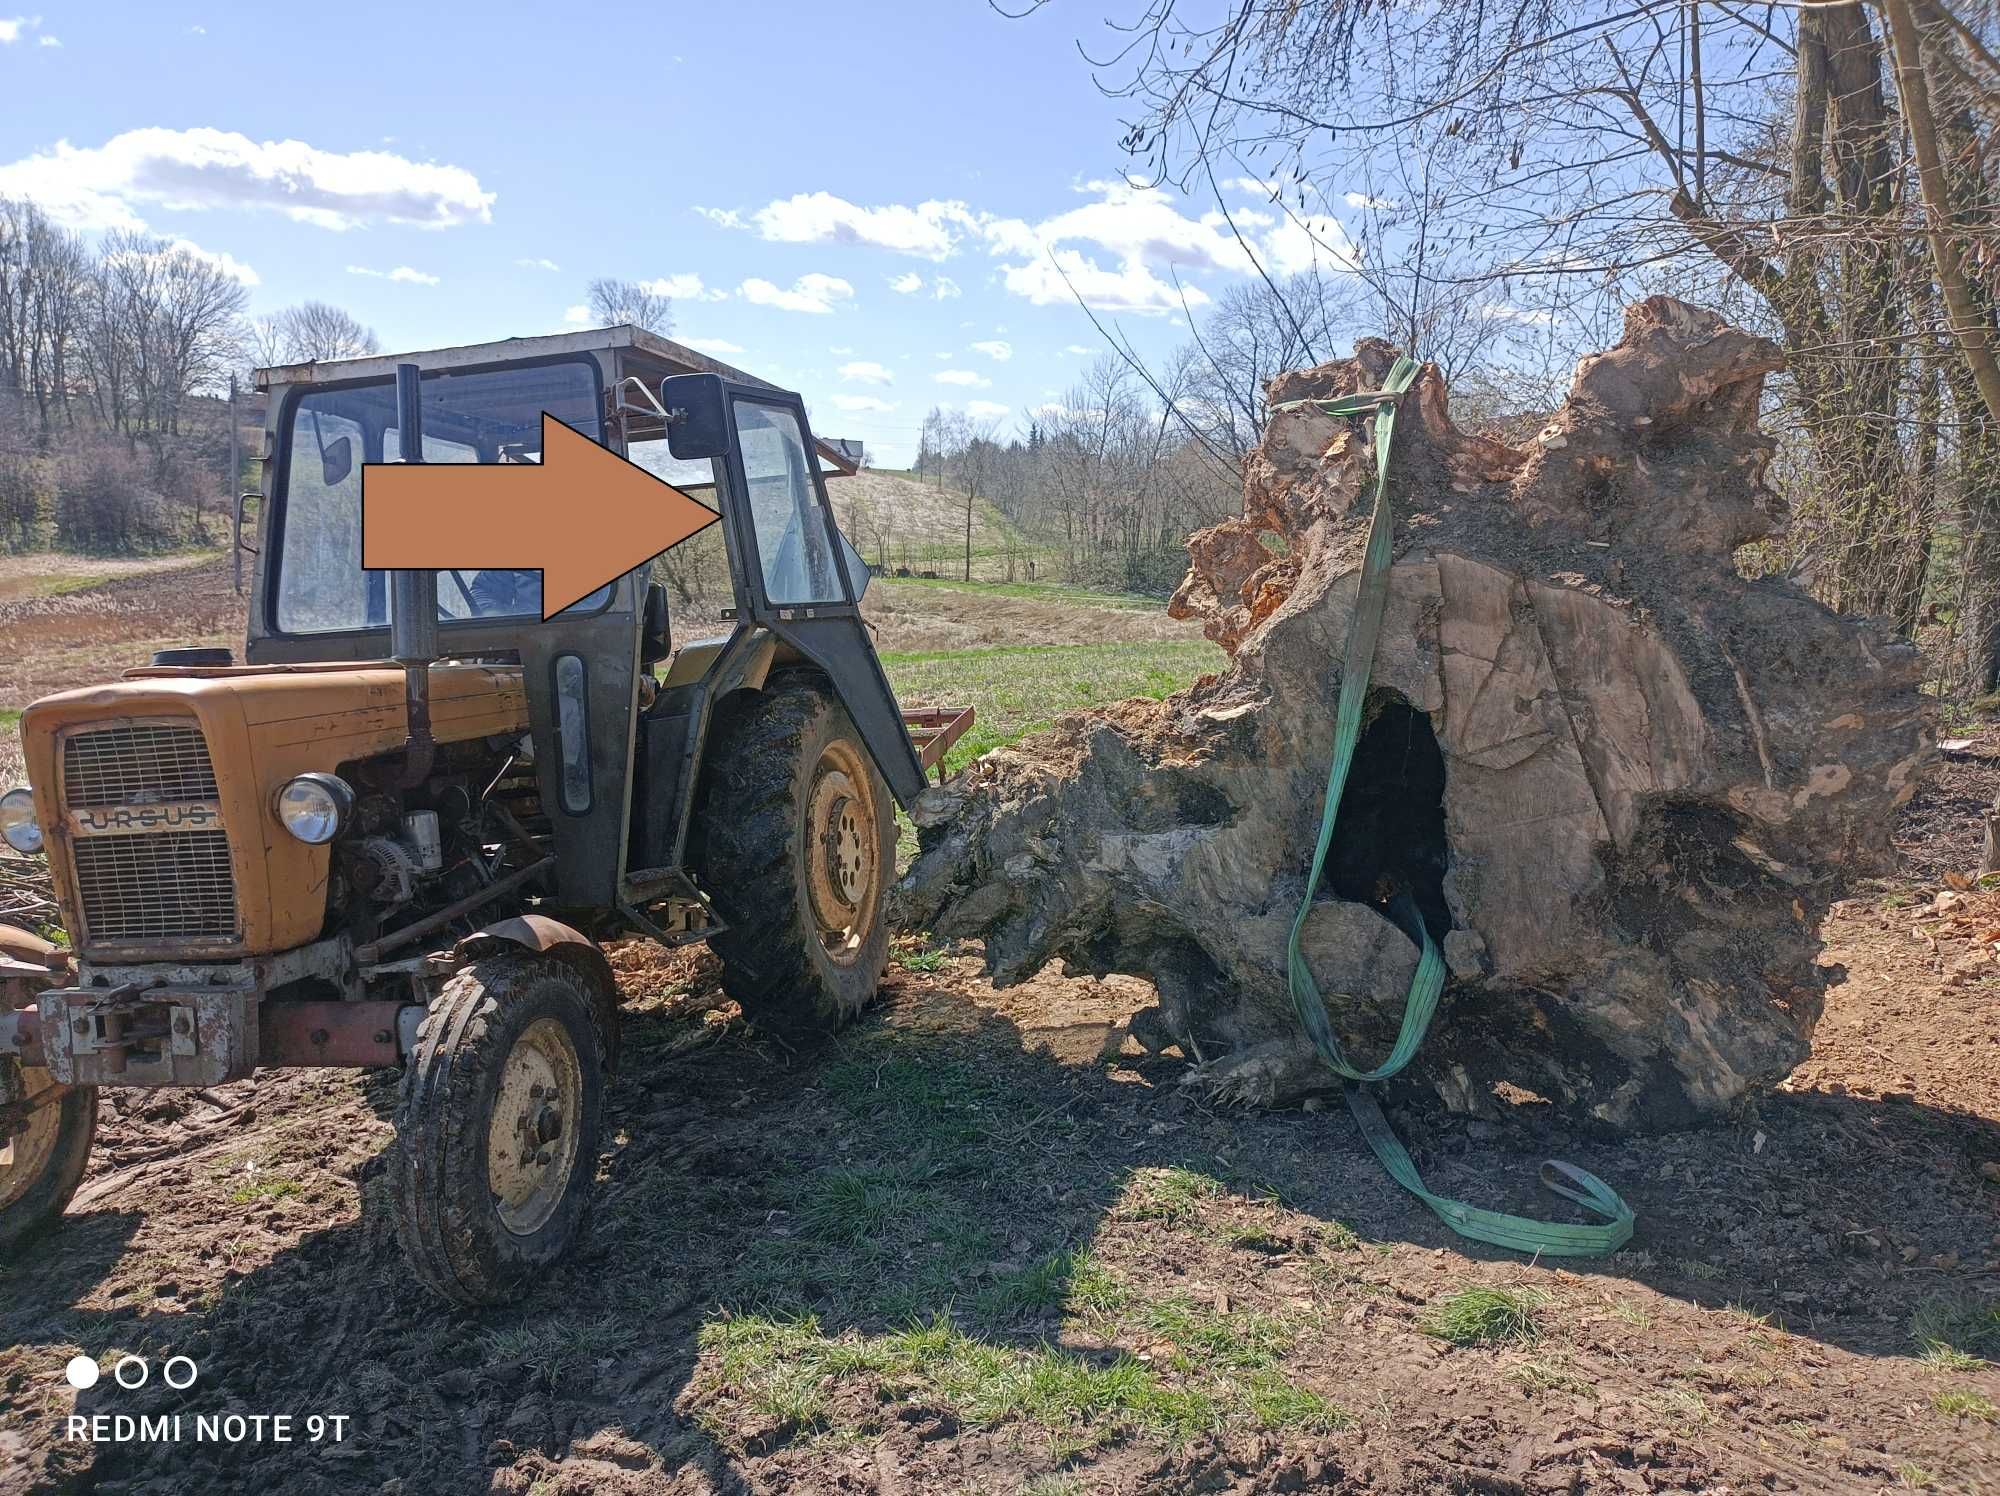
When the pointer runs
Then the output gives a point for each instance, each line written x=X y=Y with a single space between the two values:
x=798 y=847
x=48 y=1158
x=497 y=1127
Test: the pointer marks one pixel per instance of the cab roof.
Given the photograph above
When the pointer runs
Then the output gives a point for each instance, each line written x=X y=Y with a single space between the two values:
x=549 y=345
x=837 y=458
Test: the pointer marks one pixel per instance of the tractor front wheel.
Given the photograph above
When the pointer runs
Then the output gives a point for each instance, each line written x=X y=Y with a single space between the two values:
x=42 y=1164
x=497 y=1127
x=798 y=851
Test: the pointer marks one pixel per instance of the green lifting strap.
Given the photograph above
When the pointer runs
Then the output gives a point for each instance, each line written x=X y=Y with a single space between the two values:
x=1427 y=985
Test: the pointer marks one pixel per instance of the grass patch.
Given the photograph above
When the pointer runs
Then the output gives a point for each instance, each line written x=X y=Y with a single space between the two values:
x=1174 y=1195
x=785 y=1367
x=1020 y=689
x=554 y=1351
x=1548 y=1374
x=923 y=959
x=1051 y=592
x=1954 y=1332
x=1243 y=1340
x=779 y=1366
x=1039 y=1287
x=265 y=1189
x=1337 y=1236
x=1255 y=1237
x=849 y=1206
x=1486 y=1316
x=1681 y=1403
x=1964 y=1402
x=1636 y=1315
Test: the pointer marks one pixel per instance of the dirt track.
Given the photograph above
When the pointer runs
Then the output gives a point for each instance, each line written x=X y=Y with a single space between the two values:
x=971 y=1162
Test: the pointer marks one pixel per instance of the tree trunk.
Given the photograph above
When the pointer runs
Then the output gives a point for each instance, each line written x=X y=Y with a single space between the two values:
x=1618 y=784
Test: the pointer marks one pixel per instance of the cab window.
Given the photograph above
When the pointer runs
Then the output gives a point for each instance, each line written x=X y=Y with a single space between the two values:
x=792 y=545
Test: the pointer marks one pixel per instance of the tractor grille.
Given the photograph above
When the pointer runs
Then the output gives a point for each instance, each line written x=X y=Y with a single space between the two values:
x=167 y=886
x=148 y=885
x=152 y=763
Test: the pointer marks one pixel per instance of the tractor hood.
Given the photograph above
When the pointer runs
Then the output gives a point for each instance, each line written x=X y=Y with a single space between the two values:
x=200 y=754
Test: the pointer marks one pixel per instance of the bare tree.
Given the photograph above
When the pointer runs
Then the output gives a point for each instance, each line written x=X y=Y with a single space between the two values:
x=1537 y=163
x=976 y=459
x=197 y=330
x=613 y=302
x=312 y=331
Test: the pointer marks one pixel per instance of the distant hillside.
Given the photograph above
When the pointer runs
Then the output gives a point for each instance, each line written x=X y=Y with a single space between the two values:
x=899 y=523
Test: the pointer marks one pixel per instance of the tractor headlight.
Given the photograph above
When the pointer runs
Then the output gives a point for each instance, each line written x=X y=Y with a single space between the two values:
x=17 y=821
x=315 y=807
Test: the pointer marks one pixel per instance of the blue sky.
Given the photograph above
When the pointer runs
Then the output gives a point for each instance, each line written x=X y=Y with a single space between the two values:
x=867 y=203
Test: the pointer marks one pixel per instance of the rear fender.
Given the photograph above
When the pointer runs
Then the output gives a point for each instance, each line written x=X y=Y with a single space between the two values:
x=560 y=942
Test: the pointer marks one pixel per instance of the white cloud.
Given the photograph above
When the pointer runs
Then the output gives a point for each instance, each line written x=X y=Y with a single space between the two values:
x=48 y=41
x=199 y=169
x=716 y=346
x=985 y=410
x=1131 y=288
x=840 y=350
x=685 y=286
x=1116 y=251
x=577 y=316
x=197 y=31
x=865 y=371
x=860 y=404
x=1363 y=200
x=997 y=349
x=10 y=31
x=222 y=260
x=1308 y=240
x=537 y=264
x=1534 y=316
x=944 y=288
x=929 y=231
x=812 y=292
x=1079 y=351
x=906 y=283
x=401 y=273
x=965 y=377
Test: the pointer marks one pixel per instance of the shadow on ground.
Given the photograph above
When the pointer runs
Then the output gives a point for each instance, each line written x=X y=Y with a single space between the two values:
x=931 y=1254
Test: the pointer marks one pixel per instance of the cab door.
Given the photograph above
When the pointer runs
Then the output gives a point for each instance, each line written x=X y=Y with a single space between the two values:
x=796 y=574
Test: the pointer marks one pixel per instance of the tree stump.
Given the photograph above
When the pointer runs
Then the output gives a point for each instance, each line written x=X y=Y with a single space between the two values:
x=1617 y=781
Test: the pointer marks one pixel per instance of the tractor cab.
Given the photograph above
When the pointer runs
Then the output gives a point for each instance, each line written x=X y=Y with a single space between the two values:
x=621 y=743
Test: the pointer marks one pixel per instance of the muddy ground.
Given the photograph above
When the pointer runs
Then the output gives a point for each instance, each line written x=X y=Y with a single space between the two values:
x=981 y=1242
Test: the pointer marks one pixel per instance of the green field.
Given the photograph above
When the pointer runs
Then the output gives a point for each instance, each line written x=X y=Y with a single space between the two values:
x=1016 y=691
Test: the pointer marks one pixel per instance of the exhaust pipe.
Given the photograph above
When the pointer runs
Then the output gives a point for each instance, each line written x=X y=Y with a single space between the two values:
x=413 y=628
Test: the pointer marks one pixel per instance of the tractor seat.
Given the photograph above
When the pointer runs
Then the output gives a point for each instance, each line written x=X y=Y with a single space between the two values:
x=692 y=663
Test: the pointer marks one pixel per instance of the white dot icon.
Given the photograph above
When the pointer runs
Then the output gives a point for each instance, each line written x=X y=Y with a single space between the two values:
x=81 y=1373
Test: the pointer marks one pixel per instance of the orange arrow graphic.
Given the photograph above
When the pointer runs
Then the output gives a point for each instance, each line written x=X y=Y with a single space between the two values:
x=581 y=516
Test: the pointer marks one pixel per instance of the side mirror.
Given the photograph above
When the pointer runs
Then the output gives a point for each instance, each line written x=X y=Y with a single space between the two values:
x=241 y=546
x=243 y=503
x=655 y=643
x=697 y=416
x=336 y=461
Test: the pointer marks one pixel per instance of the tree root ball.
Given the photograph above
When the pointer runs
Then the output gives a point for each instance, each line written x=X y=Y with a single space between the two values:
x=1620 y=783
